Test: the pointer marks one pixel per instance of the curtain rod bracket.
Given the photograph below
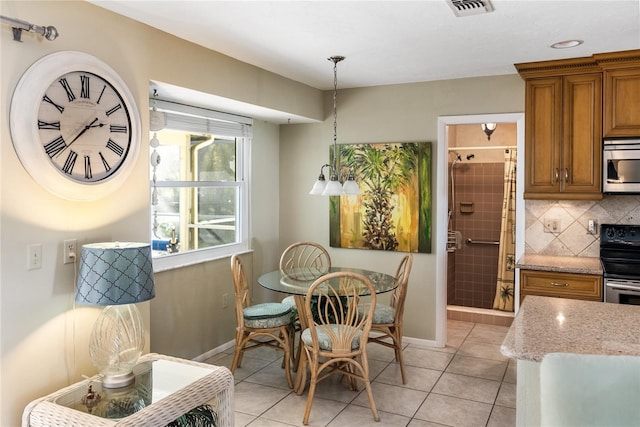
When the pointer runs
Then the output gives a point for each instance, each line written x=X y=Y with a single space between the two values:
x=50 y=32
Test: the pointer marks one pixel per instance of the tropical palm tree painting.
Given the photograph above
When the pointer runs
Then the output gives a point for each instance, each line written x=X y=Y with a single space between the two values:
x=394 y=211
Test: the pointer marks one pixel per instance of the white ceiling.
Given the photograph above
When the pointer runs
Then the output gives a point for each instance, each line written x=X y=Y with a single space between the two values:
x=389 y=42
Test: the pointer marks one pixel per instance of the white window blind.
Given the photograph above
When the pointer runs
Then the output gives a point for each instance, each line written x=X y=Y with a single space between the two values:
x=198 y=120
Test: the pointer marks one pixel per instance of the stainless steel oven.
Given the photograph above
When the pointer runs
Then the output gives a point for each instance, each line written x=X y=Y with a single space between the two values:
x=622 y=291
x=621 y=166
x=620 y=258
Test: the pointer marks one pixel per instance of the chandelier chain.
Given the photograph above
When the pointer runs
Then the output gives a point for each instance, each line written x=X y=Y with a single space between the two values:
x=335 y=60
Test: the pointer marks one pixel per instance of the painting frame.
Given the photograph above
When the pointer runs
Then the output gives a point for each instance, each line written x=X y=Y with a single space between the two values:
x=394 y=211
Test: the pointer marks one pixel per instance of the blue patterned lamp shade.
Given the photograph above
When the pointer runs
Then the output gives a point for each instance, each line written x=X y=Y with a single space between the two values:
x=114 y=273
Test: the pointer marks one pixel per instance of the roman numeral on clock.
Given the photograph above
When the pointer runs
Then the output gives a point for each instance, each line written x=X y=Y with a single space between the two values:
x=101 y=93
x=113 y=146
x=104 y=162
x=54 y=147
x=84 y=90
x=47 y=125
x=87 y=167
x=118 y=128
x=67 y=89
x=113 y=110
x=47 y=99
x=70 y=162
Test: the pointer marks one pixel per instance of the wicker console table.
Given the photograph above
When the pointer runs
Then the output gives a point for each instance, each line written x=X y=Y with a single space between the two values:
x=170 y=386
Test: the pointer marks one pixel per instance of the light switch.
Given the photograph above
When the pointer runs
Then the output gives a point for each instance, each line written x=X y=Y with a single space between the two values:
x=34 y=256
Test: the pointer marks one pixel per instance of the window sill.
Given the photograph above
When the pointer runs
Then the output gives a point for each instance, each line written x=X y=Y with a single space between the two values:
x=185 y=259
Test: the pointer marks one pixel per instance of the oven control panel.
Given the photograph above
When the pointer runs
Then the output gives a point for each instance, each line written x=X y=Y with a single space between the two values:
x=619 y=233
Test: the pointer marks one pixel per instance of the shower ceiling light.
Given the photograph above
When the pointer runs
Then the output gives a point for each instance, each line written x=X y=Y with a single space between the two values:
x=488 y=128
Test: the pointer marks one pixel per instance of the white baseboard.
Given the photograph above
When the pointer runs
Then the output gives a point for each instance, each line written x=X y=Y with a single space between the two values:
x=230 y=344
x=421 y=342
x=209 y=354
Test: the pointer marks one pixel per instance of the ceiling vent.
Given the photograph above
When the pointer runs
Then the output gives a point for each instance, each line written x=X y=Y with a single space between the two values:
x=469 y=7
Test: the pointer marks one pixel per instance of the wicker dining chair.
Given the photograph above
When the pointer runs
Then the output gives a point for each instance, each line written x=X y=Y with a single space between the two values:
x=266 y=324
x=305 y=261
x=336 y=340
x=302 y=261
x=387 y=318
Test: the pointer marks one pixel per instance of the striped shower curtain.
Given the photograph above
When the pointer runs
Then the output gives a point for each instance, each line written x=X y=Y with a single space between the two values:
x=506 y=255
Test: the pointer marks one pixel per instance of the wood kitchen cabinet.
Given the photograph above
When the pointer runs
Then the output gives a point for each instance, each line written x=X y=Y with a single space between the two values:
x=563 y=136
x=621 y=93
x=562 y=285
x=570 y=106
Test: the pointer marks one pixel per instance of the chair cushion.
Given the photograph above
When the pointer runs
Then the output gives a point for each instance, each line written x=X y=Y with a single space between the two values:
x=267 y=315
x=382 y=314
x=324 y=340
x=291 y=302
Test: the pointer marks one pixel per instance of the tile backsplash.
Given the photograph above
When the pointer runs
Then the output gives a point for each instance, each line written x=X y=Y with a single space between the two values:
x=572 y=237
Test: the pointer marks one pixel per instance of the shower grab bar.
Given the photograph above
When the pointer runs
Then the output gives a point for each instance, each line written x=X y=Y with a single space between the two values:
x=481 y=242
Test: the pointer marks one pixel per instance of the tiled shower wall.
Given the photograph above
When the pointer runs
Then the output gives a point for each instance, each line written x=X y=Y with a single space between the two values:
x=473 y=268
x=573 y=238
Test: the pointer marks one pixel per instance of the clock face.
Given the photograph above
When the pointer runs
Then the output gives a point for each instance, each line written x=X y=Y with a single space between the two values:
x=84 y=127
x=75 y=125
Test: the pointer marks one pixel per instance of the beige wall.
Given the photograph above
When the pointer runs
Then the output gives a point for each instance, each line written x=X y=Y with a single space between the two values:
x=187 y=317
x=397 y=113
x=43 y=337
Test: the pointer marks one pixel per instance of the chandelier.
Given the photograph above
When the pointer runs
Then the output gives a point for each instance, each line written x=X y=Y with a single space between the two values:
x=334 y=187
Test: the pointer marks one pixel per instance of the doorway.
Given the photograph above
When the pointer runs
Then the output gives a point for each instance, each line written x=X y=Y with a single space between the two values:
x=446 y=126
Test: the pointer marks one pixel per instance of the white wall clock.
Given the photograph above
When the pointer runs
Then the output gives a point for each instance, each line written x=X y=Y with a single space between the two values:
x=75 y=125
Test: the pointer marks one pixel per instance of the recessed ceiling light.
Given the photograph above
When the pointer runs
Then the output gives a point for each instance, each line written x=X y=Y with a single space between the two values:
x=566 y=44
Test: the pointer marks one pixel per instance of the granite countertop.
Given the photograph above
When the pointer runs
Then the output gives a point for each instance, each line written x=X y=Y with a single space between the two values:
x=559 y=325
x=562 y=264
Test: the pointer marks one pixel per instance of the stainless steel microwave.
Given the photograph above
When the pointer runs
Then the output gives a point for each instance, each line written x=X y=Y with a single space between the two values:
x=621 y=166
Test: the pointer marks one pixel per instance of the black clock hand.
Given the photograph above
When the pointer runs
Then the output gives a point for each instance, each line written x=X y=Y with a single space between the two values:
x=86 y=128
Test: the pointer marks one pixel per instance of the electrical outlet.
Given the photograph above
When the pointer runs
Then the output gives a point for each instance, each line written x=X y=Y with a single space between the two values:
x=34 y=256
x=552 y=225
x=592 y=227
x=69 y=251
x=225 y=300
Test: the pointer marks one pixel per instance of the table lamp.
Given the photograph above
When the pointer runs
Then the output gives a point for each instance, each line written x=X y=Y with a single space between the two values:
x=116 y=275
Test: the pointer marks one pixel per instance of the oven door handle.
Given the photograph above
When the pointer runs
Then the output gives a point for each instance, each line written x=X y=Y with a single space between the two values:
x=625 y=287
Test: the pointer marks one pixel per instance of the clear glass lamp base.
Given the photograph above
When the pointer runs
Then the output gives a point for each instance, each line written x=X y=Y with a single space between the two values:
x=116 y=344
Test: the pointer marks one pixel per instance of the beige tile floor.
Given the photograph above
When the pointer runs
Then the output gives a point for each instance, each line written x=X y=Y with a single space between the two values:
x=468 y=383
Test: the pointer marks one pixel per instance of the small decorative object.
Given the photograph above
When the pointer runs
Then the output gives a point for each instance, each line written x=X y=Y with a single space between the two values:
x=174 y=244
x=75 y=125
x=200 y=416
x=116 y=275
x=90 y=399
x=122 y=403
x=157 y=122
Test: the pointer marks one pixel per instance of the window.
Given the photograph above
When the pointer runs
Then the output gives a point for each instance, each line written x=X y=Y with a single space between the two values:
x=199 y=194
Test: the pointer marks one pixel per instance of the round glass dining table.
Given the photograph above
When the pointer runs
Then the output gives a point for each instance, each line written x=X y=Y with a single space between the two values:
x=297 y=283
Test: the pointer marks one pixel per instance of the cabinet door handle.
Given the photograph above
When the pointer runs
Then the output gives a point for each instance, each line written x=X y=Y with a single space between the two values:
x=556 y=175
x=566 y=175
x=560 y=285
